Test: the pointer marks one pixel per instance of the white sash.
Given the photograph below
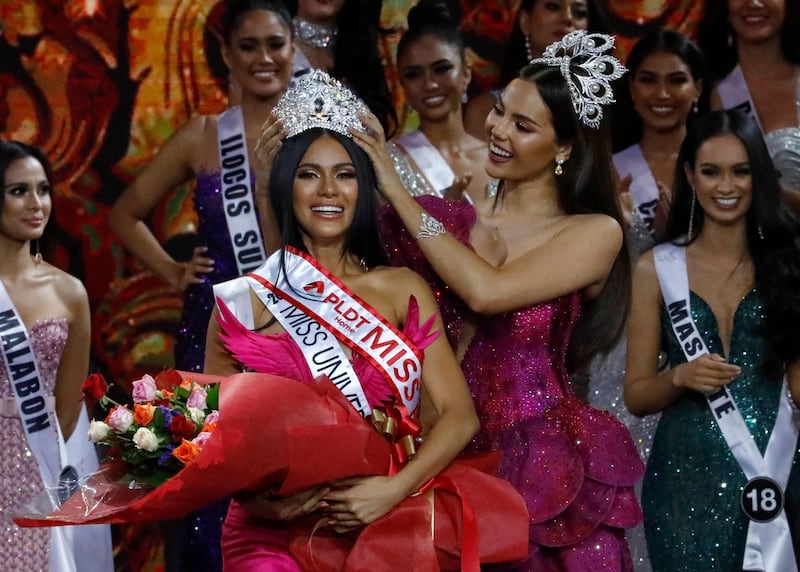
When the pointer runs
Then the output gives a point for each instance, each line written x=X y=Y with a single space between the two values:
x=734 y=94
x=644 y=188
x=38 y=421
x=428 y=160
x=326 y=301
x=321 y=349
x=237 y=193
x=769 y=544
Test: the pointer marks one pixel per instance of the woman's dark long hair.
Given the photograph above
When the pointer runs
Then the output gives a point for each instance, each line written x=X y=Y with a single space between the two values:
x=357 y=60
x=627 y=124
x=718 y=40
x=11 y=151
x=776 y=256
x=586 y=186
x=362 y=240
x=515 y=56
x=236 y=10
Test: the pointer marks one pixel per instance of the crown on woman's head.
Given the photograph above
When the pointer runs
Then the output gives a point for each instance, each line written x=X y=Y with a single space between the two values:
x=316 y=100
x=588 y=71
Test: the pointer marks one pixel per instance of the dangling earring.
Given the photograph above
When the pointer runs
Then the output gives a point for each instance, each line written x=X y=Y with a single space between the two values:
x=464 y=97
x=760 y=232
x=528 y=51
x=694 y=107
x=691 y=217
x=559 y=171
x=37 y=257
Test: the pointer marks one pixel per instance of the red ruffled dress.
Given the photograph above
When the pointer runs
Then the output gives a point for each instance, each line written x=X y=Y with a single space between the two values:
x=574 y=465
x=496 y=511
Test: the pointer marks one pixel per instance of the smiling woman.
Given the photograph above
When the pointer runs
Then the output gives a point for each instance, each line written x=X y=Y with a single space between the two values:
x=440 y=158
x=328 y=312
x=44 y=355
x=720 y=294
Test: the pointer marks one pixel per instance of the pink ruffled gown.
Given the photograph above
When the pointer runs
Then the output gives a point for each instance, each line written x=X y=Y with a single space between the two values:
x=255 y=545
x=574 y=465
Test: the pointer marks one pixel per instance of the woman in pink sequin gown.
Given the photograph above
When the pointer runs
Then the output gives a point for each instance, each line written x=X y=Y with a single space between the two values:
x=55 y=311
x=531 y=285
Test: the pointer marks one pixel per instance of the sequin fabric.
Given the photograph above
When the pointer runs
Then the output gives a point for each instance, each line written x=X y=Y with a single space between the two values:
x=194 y=543
x=691 y=491
x=199 y=298
x=414 y=182
x=606 y=375
x=26 y=549
x=574 y=465
x=784 y=148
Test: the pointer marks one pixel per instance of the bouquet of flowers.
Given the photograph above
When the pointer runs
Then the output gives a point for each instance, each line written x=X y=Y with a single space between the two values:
x=170 y=421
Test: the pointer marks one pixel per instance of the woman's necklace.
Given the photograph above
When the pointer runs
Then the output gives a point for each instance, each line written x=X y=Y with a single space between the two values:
x=314 y=35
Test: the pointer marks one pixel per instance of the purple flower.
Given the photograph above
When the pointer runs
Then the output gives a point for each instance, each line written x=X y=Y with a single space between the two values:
x=144 y=389
x=162 y=460
x=168 y=415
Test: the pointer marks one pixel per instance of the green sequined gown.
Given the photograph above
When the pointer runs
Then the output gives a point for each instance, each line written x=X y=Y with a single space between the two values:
x=690 y=496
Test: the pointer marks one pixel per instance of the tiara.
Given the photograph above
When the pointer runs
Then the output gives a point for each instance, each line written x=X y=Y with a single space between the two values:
x=316 y=100
x=588 y=71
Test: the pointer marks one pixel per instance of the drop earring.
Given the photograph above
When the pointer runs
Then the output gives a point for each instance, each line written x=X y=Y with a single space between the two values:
x=691 y=217
x=37 y=257
x=694 y=107
x=559 y=170
x=528 y=51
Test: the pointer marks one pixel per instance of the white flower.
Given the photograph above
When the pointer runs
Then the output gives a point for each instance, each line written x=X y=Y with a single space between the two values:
x=145 y=439
x=197 y=415
x=98 y=431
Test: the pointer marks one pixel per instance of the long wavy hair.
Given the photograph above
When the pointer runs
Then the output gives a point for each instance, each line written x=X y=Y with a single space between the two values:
x=586 y=186
x=362 y=240
x=717 y=39
x=773 y=233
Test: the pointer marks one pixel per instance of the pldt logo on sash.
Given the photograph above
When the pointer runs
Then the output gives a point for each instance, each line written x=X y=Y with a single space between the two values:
x=315 y=290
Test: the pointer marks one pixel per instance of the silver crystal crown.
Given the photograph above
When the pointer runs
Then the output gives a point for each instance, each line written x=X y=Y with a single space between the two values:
x=588 y=70
x=316 y=100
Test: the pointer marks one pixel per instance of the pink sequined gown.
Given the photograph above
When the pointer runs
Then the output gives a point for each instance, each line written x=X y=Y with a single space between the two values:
x=25 y=549
x=574 y=465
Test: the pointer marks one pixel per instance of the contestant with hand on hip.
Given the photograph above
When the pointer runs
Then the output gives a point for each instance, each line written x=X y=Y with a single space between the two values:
x=322 y=188
x=721 y=294
x=547 y=271
x=45 y=339
x=258 y=48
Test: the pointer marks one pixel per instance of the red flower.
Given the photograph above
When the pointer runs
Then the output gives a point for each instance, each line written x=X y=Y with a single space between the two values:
x=181 y=427
x=94 y=387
